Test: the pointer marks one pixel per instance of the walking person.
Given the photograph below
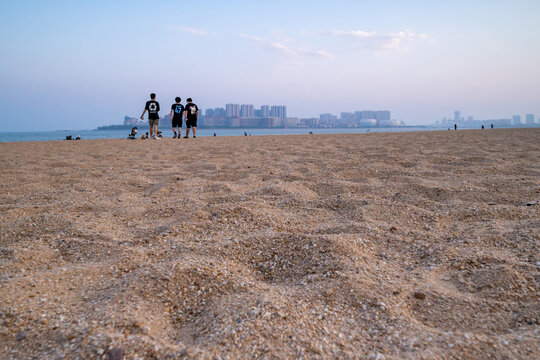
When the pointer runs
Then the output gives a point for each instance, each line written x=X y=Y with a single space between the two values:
x=177 y=112
x=192 y=113
x=152 y=107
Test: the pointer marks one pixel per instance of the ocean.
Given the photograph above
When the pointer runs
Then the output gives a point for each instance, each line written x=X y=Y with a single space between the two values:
x=122 y=134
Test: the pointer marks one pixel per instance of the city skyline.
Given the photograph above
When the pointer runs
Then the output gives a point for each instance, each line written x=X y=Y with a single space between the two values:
x=268 y=116
x=85 y=64
x=471 y=121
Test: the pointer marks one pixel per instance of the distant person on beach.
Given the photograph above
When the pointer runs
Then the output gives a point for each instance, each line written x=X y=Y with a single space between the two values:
x=132 y=135
x=152 y=107
x=455 y=126
x=492 y=126
x=177 y=112
x=192 y=113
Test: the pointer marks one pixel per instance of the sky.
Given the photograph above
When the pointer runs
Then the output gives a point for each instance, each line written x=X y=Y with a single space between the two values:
x=81 y=64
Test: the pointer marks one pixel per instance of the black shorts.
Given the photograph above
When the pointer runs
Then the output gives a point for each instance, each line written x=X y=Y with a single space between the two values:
x=191 y=123
x=176 y=122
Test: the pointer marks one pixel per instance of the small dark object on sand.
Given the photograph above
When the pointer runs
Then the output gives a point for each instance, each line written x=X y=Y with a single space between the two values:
x=419 y=295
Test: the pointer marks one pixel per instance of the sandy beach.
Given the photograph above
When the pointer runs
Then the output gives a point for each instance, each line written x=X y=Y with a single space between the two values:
x=359 y=246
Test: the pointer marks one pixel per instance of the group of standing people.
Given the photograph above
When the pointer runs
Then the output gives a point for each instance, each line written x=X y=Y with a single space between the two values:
x=179 y=112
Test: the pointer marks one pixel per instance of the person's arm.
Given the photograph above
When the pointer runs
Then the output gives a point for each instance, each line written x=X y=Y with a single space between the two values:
x=142 y=116
x=172 y=113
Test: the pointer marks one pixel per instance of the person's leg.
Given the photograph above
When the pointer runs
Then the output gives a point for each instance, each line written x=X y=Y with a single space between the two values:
x=151 y=125
x=194 y=131
x=188 y=126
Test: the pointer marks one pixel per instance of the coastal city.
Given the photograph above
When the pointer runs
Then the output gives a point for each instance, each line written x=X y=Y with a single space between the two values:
x=472 y=123
x=275 y=116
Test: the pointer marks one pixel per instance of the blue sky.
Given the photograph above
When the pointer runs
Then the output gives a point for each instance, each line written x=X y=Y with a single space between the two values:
x=77 y=65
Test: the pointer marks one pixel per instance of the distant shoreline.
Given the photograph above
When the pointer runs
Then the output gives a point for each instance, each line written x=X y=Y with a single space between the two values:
x=129 y=127
x=396 y=128
x=121 y=132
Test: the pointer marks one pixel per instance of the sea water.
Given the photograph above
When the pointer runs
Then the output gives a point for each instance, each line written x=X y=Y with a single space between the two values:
x=167 y=133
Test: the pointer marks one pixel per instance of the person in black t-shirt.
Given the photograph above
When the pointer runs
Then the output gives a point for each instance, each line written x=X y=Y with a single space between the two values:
x=192 y=113
x=152 y=107
x=177 y=111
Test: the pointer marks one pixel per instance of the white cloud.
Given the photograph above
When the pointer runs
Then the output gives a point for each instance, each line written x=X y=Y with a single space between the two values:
x=372 y=40
x=191 y=30
x=282 y=47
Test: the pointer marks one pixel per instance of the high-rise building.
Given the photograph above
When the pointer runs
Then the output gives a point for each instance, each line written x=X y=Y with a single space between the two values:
x=516 y=119
x=382 y=115
x=529 y=119
x=265 y=111
x=327 y=118
x=233 y=110
x=367 y=114
x=247 y=110
x=457 y=116
x=221 y=112
x=279 y=111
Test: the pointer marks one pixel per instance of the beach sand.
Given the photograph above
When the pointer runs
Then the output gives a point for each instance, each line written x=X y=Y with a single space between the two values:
x=373 y=246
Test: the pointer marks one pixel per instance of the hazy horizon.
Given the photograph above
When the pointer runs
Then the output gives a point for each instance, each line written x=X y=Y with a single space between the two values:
x=81 y=65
